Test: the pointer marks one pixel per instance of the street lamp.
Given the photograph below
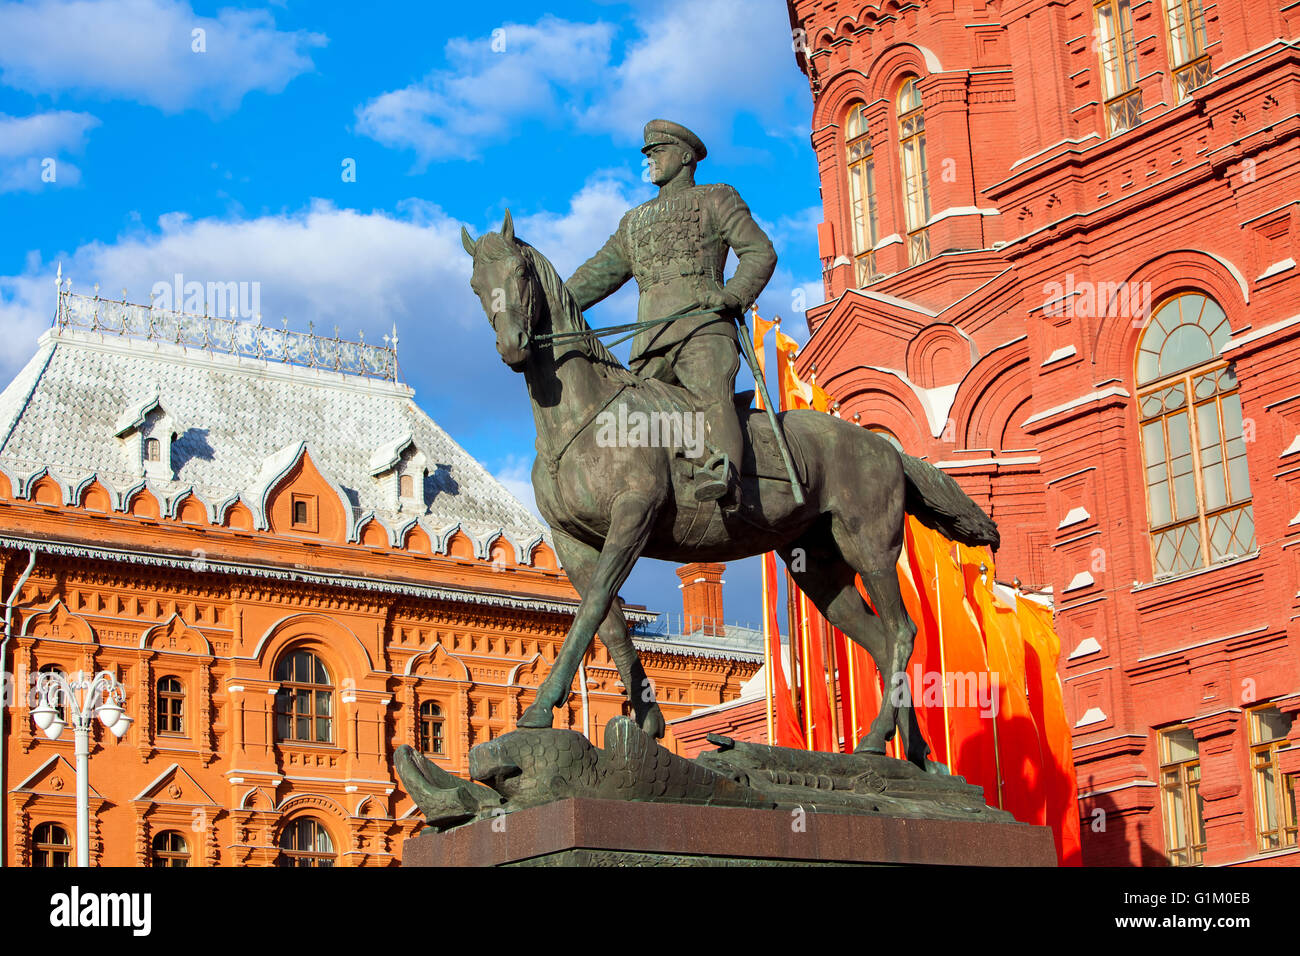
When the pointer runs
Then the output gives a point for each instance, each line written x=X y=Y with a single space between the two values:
x=84 y=698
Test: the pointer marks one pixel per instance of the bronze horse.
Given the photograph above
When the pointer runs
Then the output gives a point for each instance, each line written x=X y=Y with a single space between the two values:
x=608 y=505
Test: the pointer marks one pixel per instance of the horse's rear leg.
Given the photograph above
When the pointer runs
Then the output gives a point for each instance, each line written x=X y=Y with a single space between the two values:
x=579 y=562
x=896 y=708
x=828 y=581
x=879 y=575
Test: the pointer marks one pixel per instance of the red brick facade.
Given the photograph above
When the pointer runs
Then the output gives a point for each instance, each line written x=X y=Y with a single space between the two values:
x=998 y=336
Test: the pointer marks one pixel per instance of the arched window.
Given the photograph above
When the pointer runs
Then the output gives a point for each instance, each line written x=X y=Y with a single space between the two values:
x=304 y=842
x=1193 y=445
x=1118 y=64
x=406 y=486
x=916 y=179
x=432 y=738
x=1187 y=45
x=152 y=449
x=170 y=849
x=304 y=706
x=51 y=846
x=862 y=195
x=171 y=706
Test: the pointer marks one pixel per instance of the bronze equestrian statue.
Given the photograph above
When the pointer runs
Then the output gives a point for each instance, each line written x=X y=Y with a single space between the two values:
x=609 y=504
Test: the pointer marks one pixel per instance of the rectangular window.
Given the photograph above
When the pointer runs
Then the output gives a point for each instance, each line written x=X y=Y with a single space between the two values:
x=862 y=196
x=1187 y=45
x=1275 y=812
x=1180 y=784
x=1118 y=65
x=916 y=174
x=303 y=513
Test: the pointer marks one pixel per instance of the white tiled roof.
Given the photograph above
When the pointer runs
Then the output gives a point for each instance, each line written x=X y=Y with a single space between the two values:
x=237 y=419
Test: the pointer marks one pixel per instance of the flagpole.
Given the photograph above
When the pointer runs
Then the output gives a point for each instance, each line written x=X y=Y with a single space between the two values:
x=850 y=653
x=769 y=685
x=807 y=674
x=943 y=666
x=769 y=689
x=827 y=639
x=997 y=752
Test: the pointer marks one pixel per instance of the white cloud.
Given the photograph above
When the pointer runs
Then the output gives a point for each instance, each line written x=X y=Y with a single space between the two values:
x=699 y=62
x=516 y=474
x=523 y=71
x=32 y=148
x=570 y=237
x=144 y=50
x=797 y=227
x=332 y=266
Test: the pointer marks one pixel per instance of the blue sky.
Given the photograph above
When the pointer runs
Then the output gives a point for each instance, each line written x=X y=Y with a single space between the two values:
x=220 y=154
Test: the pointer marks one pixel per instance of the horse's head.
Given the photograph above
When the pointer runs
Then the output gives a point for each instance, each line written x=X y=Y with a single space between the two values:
x=505 y=281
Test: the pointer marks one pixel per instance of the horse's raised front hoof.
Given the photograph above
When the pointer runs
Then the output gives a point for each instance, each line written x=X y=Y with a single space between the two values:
x=536 y=717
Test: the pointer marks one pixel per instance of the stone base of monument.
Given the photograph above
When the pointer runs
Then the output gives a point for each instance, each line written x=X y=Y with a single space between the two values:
x=580 y=831
x=549 y=797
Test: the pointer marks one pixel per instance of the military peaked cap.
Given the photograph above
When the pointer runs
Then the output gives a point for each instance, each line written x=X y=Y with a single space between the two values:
x=665 y=131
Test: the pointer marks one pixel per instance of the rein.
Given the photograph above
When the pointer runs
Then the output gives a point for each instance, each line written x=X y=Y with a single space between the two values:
x=632 y=328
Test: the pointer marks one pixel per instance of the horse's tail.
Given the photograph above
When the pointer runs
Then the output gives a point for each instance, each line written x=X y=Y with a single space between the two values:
x=939 y=503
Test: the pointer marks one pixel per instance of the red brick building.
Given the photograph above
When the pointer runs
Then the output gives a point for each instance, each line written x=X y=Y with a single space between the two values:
x=1059 y=255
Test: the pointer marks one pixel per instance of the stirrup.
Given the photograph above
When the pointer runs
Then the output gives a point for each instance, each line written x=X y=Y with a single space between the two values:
x=711 y=487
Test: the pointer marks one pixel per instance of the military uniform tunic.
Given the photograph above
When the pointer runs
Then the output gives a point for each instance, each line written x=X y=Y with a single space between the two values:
x=675 y=246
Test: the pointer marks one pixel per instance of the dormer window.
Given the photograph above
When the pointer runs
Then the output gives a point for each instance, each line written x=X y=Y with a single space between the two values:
x=401 y=469
x=147 y=433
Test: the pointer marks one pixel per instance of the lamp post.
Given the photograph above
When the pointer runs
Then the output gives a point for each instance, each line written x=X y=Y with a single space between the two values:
x=84 y=698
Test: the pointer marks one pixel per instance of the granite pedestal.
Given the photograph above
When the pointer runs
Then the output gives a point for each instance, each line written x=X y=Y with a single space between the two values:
x=590 y=832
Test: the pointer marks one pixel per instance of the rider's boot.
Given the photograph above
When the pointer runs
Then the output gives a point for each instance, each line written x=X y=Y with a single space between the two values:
x=713 y=478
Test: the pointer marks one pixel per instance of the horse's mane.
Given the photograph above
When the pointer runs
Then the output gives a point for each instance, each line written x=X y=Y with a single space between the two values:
x=567 y=317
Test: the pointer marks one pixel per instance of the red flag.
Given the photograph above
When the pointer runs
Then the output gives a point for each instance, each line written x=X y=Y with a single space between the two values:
x=860 y=691
x=816 y=699
x=786 y=731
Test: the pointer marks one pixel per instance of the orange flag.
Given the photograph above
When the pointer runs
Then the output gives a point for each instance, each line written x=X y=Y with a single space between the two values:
x=961 y=679
x=1046 y=700
x=925 y=649
x=794 y=393
x=1020 y=757
x=761 y=328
